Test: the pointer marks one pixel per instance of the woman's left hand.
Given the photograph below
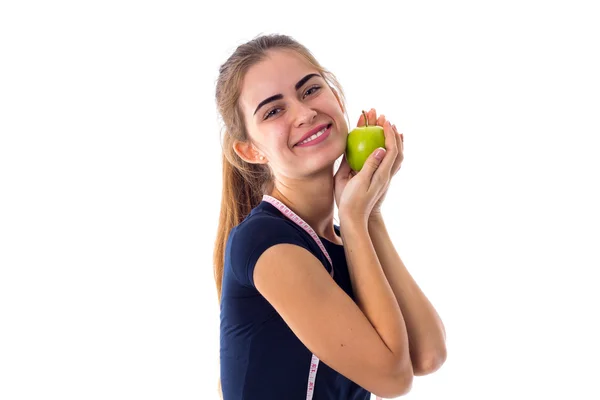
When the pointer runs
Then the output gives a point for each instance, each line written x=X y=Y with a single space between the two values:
x=399 y=143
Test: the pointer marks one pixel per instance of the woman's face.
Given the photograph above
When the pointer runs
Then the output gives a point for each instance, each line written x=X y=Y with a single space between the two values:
x=284 y=98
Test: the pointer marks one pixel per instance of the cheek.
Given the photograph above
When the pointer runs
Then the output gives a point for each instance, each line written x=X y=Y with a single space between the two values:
x=342 y=124
x=274 y=132
x=277 y=138
x=335 y=110
x=281 y=138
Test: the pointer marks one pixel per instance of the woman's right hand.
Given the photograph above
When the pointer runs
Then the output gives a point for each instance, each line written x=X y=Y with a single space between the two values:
x=357 y=193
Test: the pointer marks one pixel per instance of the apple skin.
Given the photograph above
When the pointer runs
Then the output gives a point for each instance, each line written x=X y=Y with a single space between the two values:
x=361 y=142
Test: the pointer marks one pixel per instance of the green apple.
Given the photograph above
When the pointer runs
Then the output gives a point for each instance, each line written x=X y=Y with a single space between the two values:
x=361 y=142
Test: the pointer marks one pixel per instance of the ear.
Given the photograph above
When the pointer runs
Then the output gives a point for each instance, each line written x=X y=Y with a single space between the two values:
x=247 y=152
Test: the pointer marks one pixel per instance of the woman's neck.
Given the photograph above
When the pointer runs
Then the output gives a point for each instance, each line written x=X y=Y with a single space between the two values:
x=312 y=200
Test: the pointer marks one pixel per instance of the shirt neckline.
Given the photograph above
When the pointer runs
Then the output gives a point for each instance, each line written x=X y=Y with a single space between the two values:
x=320 y=237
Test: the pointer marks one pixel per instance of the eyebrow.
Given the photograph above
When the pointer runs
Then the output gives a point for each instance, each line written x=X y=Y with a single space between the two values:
x=280 y=96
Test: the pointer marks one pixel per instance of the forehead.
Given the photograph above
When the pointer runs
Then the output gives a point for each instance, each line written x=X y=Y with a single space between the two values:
x=277 y=73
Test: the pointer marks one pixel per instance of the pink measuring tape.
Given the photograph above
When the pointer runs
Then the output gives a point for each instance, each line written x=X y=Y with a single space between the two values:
x=314 y=363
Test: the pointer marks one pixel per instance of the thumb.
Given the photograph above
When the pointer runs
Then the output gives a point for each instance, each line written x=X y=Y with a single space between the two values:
x=373 y=162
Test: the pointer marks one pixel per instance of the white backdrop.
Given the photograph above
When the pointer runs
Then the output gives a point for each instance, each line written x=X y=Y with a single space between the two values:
x=110 y=182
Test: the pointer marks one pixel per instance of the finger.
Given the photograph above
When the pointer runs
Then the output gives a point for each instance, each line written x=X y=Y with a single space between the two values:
x=381 y=120
x=372 y=116
x=400 y=156
x=390 y=146
x=372 y=165
x=381 y=175
x=401 y=150
x=401 y=137
x=361 y=119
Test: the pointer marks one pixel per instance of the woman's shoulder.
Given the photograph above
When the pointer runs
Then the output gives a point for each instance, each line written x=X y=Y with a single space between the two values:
x=262 y=229
x=265 y=220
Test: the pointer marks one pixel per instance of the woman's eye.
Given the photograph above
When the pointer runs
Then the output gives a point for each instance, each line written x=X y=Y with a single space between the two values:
x=275 y=111
x=308 y=92
x=271 y=113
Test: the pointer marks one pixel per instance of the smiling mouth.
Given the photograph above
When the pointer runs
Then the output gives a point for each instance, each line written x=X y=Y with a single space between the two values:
x=315 y=136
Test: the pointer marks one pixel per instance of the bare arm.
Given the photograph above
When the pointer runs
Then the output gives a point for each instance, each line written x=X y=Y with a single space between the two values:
x=426 y=332
x=367 y=342
x=374 y=296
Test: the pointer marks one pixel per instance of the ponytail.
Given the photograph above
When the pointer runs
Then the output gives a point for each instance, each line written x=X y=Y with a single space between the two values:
x=242 y=190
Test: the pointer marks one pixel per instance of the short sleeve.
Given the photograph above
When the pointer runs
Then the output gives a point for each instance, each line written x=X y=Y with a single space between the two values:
x=255 y=235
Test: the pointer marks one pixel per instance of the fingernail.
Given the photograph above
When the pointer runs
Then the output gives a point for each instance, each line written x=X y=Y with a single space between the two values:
x=380 y=153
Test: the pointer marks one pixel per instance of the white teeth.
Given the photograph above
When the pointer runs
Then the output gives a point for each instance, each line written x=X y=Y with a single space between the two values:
x=313 y=137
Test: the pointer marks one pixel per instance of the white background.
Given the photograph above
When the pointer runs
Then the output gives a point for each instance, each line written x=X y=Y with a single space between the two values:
x=110 y=177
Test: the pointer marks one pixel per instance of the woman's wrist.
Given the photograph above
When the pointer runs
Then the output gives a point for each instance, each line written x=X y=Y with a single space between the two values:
x=352 y=222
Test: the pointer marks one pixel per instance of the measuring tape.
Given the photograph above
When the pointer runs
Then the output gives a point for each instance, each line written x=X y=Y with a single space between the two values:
x=314 y=363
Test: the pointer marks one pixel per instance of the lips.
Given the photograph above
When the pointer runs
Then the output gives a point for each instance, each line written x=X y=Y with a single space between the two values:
x=312 y=132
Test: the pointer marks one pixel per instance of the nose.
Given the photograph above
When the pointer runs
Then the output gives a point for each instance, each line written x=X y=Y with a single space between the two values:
x=303 y=115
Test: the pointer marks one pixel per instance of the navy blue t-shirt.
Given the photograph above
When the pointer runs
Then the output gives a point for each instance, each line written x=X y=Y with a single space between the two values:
x=261 y=358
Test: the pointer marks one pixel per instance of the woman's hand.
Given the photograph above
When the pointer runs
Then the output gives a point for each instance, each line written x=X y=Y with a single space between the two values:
x=373 y=120
x=359 y=195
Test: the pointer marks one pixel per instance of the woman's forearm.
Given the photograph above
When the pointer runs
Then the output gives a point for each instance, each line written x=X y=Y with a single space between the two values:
x=426 y=331
x=372 y=292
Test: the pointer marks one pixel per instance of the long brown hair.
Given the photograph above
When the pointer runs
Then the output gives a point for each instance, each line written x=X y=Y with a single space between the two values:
x=244 y=183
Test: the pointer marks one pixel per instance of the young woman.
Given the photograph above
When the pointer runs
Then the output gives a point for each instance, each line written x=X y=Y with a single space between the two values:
x=309 y=310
